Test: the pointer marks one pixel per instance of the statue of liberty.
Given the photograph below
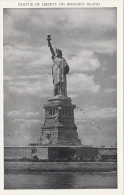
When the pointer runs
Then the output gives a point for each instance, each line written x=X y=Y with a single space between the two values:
x=59 y=70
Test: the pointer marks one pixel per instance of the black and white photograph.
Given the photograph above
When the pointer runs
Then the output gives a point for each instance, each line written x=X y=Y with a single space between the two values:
x=60 y=98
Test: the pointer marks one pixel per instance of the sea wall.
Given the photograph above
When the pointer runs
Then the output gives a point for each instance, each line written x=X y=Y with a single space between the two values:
x=60 y=154
x=24 y=152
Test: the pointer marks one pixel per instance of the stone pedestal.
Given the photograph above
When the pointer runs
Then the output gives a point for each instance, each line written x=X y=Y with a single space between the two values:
x=59 y=127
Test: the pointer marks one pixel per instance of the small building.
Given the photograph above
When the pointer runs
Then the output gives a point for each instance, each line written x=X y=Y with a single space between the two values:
x=109 y=156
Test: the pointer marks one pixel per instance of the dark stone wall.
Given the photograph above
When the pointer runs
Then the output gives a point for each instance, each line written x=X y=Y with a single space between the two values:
x=72 y=154
x=87 y=153
x=61 y=154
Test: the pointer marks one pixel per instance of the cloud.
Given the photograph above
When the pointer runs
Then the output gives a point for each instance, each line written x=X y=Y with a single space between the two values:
x=80 y=83
x=84 y=16
x=97 y=126
x=28 y=122
x=110 y=90
x=86 y=27
x=96 y=113
x=23 y=125
x=35 y=85
x=91 y=17
x=30 y=115
x=102 y=112
x=17 y=59
x=26 y=132
x=108 y=46
x=84 y=61
x=14 y=114
x=23 y=116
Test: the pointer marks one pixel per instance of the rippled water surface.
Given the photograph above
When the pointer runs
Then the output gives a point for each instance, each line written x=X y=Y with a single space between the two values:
x=61 y=180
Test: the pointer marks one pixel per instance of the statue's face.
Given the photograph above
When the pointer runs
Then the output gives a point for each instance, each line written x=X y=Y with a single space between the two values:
x=58 y=53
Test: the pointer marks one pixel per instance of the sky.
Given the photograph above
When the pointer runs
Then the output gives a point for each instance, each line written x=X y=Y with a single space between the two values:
x=87 y=37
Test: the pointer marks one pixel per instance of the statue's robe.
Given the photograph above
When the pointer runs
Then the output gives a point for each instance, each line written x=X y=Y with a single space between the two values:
x=59 y=70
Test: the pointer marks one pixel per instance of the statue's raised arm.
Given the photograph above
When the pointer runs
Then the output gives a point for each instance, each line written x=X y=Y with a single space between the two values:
x=60 y=69
x=50 y=46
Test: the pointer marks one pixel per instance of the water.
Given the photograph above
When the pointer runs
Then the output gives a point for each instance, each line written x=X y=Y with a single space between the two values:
x=53 y=180
x=61 y=180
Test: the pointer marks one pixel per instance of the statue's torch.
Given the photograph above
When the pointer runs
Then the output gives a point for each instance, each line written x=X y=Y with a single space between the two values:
x=49 y=39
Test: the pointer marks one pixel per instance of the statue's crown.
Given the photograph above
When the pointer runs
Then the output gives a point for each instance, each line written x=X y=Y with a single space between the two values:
x=58 y=50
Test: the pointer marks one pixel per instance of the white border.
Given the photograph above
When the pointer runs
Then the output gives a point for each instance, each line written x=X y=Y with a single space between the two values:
x=109 y=3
